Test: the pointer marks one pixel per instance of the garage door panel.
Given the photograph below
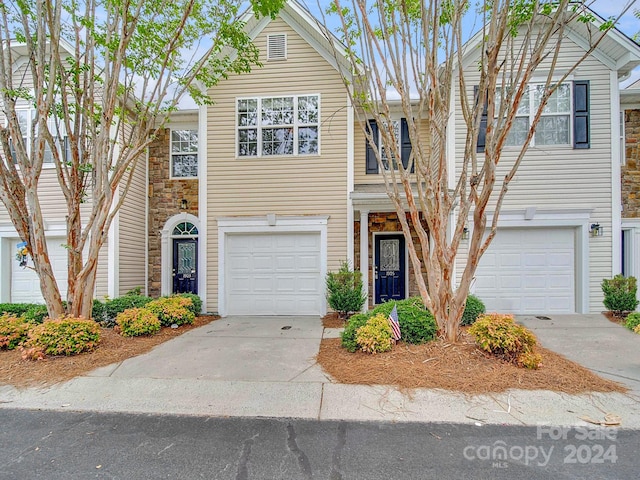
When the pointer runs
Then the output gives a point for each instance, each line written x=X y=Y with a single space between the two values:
x=25 y=285
x=282 y=275
x=534 y=271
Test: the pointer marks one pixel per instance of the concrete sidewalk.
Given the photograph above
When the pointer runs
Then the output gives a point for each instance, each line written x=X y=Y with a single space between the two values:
x=265 y=367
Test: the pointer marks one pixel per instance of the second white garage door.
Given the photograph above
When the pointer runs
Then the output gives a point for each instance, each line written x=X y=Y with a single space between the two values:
x=273 y=274
x=530 y=271
x=25 y=285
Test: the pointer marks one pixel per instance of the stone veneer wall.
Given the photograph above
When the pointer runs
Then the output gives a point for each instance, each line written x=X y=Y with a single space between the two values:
x=165 y=195
x=384 y=222
x=631 y=168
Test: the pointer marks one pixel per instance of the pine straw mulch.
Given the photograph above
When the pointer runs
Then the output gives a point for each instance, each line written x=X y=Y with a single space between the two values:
x=333 y=320
x=461 y=367
x=113 y=348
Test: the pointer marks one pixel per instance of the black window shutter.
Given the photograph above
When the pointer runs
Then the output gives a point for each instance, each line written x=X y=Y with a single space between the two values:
x=405 y=144
x=372 y=161
x=581 y=132
x=482 y=132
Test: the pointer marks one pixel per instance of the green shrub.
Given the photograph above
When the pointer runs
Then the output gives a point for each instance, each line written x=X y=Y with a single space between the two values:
x=633 y=320
x=376 y=335
x=501 y=336
x=348 y=337
x=13 y=331
x=36 y=313
x=16 y=309
x=637 y=329
x=472 y=310
x=344 y=290
x=64 y=336
x=196 y=302
x=172 y=310
x=138 y=321
x=620 y=294
x=110 y=309
x=531 y=360
x=417 y=324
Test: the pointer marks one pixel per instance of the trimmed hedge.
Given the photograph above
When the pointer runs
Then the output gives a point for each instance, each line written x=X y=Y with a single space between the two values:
x=417 y=324
x=33 y=312
x=472 y=310
x=106 y=312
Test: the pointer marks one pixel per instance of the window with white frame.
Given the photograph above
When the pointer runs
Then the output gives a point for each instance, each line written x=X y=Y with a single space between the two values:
x=26 y=120
x=184 y=153
x=278 y=125
x=554 y=126
x=386 y=156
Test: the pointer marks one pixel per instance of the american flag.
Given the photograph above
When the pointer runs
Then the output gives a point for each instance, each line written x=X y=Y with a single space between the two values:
x=395 y=325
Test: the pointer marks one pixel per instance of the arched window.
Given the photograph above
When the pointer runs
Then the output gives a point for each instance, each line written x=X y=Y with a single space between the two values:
x=185 y=229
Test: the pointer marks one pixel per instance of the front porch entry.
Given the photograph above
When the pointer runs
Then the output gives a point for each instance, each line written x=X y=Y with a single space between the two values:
x=389 y=267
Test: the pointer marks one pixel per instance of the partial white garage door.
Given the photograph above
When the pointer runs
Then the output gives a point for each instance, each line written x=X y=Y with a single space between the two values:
x=25 y=285
x=273 y=274
x=529 y=270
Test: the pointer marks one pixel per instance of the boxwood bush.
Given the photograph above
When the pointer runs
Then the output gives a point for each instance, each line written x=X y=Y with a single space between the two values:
x=472 y=310
x=348 y=337
x=138 y=321
x=417 y=324
x=107 y=311
x=64 y=336
x=620 y=294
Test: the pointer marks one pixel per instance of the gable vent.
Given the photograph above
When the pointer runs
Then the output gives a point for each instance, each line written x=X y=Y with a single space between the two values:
x=277 y=47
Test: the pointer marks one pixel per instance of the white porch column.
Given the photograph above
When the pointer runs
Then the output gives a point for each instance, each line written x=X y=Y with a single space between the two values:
x=364 y=254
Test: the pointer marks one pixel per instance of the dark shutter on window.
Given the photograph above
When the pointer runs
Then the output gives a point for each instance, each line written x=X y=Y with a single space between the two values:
x=405 y=144
x=482 y=132
x=372 y=161
x=581 y=114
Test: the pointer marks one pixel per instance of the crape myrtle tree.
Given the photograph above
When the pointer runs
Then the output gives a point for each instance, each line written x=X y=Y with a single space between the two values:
x=101 y=78
x=410 y=53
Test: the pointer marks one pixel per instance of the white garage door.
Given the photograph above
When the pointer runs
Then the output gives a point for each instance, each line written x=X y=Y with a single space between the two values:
x=273 y=274
x=529 y=270
x=25 y=285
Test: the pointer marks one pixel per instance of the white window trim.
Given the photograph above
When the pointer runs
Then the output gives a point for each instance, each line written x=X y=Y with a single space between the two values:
x=30 y=111
x=173 y=128
x=295 y=125
x=532 y=112
x=394 y=118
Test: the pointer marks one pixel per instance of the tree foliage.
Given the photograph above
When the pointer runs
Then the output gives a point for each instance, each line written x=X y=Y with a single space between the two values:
x=99 y=78
x=413 y=58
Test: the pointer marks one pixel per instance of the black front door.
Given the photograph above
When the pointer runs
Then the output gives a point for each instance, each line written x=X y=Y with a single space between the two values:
x=389 y=268
x=185 y=265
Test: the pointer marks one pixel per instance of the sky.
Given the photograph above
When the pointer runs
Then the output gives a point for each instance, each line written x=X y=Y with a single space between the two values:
x=629 y=24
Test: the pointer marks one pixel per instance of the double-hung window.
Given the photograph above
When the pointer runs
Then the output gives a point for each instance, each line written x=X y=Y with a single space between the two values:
x=26 y=120
x=278 y=125
x=554 y=126
x=184 y=153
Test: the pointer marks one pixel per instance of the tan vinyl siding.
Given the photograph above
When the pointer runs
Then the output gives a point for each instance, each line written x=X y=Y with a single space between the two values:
x=102 y=278
x=284 y=185
x=559 y=178
x=132 y=232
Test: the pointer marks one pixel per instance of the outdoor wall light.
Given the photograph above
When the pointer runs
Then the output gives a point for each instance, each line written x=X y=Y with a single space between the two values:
x=596 y=230
x=184 y=204
x=465 y=233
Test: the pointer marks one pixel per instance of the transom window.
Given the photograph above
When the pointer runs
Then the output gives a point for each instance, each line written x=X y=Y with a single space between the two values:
x=278 y=126
x=554 y=126
x=185 y=228
x=184 y=153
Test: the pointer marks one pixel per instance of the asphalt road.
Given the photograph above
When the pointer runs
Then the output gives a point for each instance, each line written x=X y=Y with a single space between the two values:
x=69 y=445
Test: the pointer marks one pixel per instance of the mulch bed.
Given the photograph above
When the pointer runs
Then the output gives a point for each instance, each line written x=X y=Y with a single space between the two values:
x=612 y=317
x=113 y=348
x=333 y=320
x=460 y=367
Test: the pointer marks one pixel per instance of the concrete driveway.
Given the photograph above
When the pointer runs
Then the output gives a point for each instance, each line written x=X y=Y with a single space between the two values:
x=592 y=341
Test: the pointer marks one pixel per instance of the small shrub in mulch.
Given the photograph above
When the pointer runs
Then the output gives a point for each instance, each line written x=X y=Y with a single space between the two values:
x=375 y=336
x=13 y=331
x=138 y=321
x=64 y=336
x=172 y=310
